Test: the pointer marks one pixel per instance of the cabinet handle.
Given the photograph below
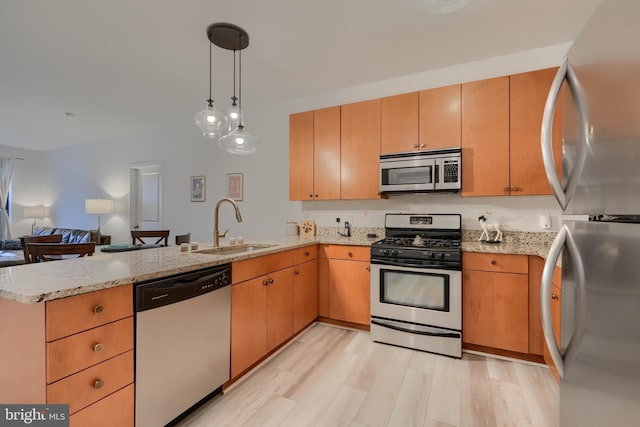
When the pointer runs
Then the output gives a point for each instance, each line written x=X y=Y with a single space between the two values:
x=97 y=309
x=270 y=281
x=307 y=253
x=97 y=384
x=316 y=196
x=466 y=276
x=554 y=297
x=415 y=145
x=349 y=253
x=422 y=145
x=505 y=189
x=98 y=347
x=493 y=262
x=296 y=271
x=368 y=268
x=264 y=282
x=515 y=189
x=310 y=196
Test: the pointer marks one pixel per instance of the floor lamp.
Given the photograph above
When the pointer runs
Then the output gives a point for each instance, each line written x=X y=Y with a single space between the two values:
x=98 y=207
x=34 y=212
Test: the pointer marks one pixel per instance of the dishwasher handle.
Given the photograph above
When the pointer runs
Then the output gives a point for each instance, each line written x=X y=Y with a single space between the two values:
x=178 y=288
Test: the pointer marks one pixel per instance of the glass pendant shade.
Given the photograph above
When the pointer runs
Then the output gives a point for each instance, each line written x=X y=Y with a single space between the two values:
x=239 y=141
x=211 y=122
x=233 y=116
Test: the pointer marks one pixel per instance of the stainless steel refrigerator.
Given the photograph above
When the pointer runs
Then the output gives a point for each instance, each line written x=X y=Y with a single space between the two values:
x=599 y=358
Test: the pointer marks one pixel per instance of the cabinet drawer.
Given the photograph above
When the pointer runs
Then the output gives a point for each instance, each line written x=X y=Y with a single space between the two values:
x=279 y=260
x=305 y=254
x=113 y=410
x=82 y=389
x=76 y=352
x=248 y=269
x=495 y=262
x=355 y=253
x=78 y=313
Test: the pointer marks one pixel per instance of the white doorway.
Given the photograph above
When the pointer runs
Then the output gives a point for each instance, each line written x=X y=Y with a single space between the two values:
x=146 y=197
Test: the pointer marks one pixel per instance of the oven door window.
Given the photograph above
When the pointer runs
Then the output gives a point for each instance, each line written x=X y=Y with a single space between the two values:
x=413 y=289
x=407 y=175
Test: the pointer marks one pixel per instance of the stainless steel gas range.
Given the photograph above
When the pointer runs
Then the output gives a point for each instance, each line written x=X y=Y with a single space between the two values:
x=416 y=283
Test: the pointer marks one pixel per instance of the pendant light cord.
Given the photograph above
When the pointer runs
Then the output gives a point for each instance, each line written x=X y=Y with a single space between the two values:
x=210 y=100
x=234 y=98
x=240 y=84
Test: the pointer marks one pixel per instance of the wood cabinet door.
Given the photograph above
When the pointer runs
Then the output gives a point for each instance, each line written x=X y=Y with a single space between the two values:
x=399 y=123
x=326 y=154
x=305 y=294
x=556 y=318
x=301 y=156
x=528 y=94
x=279 y=307
x=441 y=117
x=495 y=310
x=360 y=150
x=248 y=323
x=349 y=290
x=485 y=137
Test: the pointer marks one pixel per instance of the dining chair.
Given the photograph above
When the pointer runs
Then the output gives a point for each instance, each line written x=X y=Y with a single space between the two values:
x=138 y=237
x=56 y=251
x=183 y=238
x=52 y=238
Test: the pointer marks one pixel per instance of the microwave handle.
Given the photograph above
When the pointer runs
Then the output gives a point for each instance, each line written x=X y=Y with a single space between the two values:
x=436 y=174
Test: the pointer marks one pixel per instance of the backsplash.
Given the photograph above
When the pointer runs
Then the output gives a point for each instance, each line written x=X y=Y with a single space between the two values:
x=515 y=237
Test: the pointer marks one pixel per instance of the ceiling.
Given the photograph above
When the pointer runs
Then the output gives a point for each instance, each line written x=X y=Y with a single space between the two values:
x=123 y=66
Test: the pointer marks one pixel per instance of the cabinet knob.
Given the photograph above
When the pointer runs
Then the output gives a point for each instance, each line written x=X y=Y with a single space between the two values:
x=296 y=271
x=368 y=268
x=505 y=189
x=415 y=145
x=97 y=384
x=554 y=297
x=493 y=262
x=270 y=281
x=310 y=196
x=349 y=253
x=307 y=253
x=97 y=309
x=466 y=276
x=515 y=189
x=264 y=282
x=316 y=196
x=98 y=347
x=422 y=145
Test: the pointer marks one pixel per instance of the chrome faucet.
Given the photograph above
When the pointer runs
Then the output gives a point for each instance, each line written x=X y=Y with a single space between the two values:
x=216 y=233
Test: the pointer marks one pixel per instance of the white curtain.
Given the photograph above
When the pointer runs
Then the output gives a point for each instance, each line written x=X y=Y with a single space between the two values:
x=6 y=172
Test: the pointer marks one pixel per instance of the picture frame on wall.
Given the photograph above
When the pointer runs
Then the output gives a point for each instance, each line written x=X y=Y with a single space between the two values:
x=235 y=186
x=198 y=188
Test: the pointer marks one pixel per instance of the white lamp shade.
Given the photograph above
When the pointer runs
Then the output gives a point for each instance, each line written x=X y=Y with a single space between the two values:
x=34 y=212
x=98 y=206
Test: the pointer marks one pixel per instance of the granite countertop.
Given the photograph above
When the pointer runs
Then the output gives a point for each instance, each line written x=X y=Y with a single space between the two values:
x=33 y=283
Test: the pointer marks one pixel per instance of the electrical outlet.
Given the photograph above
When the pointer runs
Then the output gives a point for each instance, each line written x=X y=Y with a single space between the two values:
x=338 y=220
x=545 y=221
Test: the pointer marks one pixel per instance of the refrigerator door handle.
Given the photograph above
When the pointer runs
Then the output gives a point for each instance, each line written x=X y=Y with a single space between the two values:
x=563 y=240
x=563 y=193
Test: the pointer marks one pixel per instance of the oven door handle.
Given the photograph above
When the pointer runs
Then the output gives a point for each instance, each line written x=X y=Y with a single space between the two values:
x=413 y=331
x=416 y=265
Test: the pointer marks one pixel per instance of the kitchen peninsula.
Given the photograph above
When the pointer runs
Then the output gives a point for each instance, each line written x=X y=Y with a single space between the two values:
x=34 y=296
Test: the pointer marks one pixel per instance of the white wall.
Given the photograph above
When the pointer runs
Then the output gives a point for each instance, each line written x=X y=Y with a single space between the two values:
x=101 y=169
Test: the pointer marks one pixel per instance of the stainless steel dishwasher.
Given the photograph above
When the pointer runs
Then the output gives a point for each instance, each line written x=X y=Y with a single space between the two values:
x=183 y=328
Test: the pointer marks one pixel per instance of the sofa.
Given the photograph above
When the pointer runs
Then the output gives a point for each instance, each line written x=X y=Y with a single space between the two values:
x=11 y=249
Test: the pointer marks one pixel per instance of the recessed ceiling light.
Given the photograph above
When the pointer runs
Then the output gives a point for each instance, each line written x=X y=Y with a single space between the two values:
x=442 y=7
x=69 y=114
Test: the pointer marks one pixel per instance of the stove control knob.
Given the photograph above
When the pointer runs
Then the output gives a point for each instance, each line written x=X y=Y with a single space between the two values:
x=394 y=253
x=430 y=255
x=440 y=255
x=385 y=251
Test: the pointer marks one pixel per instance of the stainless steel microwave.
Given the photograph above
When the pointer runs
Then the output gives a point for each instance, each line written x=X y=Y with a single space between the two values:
x=437 y=170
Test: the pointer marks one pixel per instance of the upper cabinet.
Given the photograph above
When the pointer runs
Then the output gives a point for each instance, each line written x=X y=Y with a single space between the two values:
x=501 y=121
x=360 y=151
x=418 y=121
x=528 y=94
x=399 y=123
x=485 y=137
x=314 y=155
x=440 y=117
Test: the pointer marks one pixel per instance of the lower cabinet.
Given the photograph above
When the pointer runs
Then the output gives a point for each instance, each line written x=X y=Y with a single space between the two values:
x=344 y=283
x=496 y=301
x=272 y=298
x=556 y=317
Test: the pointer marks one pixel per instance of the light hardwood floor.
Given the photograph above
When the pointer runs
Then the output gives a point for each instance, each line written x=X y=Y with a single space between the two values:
x=330 y=376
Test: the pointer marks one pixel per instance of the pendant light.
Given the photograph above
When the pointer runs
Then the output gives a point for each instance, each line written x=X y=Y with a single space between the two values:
x=232 y=37
x=211 y=122
x=233 y=112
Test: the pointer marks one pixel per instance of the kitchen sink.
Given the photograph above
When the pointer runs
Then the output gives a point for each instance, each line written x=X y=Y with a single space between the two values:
x=236 y=249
